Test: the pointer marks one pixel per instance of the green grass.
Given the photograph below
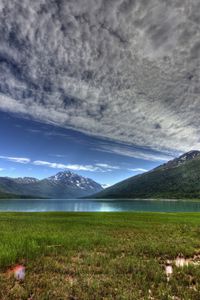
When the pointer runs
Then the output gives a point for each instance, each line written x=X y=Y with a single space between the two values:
x=99 y=255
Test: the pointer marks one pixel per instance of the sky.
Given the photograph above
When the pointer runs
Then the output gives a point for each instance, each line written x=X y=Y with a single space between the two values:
x=34 y=149
x=107 y=88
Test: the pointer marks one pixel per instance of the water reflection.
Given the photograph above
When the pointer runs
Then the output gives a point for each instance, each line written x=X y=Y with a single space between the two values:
x=98 y=205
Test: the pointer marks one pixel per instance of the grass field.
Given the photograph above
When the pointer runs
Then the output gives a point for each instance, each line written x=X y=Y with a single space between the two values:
x=99 y=255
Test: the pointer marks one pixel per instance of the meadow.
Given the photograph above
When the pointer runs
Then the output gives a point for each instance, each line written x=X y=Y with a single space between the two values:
x=99 y=255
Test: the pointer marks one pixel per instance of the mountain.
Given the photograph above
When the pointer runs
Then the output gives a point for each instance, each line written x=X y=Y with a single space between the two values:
x=62 y=185
x=180 y=160
x=4 y=195
x=176 y=179
x=25 y=180
x=105 y=185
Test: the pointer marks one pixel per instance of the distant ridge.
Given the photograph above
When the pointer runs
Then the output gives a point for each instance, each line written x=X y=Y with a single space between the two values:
x=176 y=179
x=4 y=195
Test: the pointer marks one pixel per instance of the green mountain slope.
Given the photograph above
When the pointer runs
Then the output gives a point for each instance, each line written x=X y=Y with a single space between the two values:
x=4 y=195
x=179 y=178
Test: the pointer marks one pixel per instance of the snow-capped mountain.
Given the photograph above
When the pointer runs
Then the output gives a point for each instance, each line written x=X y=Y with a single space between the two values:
x=62 y=185
x=188 y=155
x=180 y=160
x=25 y=180
x=72 y=179
x=105 y=185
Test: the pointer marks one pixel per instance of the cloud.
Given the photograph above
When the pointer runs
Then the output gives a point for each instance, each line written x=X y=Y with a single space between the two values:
x=1 y=169
x=127 y=150
x=76 y=167
x=58 y=155
x=99 y=167
x=138 y=170
x=121 y=70
x=21 y=160
x=105 y=185
x=107 y=166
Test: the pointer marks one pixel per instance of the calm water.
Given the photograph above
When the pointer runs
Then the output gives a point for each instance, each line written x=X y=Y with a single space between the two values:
x=98 y=205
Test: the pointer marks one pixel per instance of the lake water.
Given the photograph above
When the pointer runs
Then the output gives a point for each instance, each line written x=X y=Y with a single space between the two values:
x=98 y=205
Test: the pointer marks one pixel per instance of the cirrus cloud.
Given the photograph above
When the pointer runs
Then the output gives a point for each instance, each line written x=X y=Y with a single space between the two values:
x=76 y=167
x=21 y=160
x=121 y=70
x=98 y=167
x=107 y=166
x=138 y=170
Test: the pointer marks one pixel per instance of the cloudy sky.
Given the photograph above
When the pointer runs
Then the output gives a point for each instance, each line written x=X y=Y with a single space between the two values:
x=106 y=88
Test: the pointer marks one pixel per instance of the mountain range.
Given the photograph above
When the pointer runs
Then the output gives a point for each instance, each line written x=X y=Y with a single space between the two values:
x=63 y=185
x=177 y=179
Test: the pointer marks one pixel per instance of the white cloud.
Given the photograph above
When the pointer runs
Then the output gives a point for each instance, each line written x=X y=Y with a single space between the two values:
x=105 y=185
x=21 y=160
x=1 y=169
x=49 y=164
x=107 y=166
x=76 y=167
x=138 y=170
x=125 y=150
x=123 y=70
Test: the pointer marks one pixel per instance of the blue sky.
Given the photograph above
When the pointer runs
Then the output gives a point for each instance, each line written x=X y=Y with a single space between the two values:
x=30 y=148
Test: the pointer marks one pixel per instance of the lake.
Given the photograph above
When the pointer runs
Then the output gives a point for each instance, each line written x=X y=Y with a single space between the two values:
x=85 y=205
